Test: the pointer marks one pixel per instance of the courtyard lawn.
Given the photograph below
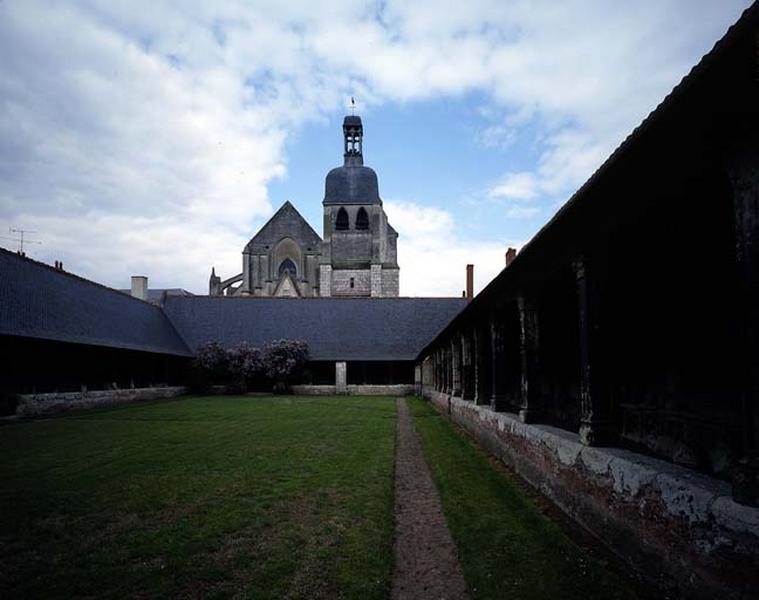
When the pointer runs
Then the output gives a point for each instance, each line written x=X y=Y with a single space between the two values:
x=250 y=497
x=507 y=547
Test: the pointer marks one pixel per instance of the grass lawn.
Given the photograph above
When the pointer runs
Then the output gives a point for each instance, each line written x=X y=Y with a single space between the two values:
x=508 y=548
x=252 y=497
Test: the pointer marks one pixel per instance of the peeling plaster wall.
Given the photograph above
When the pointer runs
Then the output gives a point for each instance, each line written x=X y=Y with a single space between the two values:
x=676 y=527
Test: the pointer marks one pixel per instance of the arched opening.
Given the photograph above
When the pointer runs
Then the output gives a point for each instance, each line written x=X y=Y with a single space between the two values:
x=341 y=223
x=362 y=219
x=288 y=265
x=286 y=255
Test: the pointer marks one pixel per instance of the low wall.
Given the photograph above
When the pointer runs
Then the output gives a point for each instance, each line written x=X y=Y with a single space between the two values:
x=32 y=405
x=678 y=529
x=356 y=390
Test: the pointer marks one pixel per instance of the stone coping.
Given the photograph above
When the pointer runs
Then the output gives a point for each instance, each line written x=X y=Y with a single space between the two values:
x=356 y=390
x=30 y=405
x=686 y=494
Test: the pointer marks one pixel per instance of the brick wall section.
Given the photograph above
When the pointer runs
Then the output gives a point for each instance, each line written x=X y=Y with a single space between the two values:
x=32 y=405
x=673 y=525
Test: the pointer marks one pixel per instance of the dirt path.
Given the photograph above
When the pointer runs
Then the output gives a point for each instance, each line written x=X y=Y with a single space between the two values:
x=426 y=560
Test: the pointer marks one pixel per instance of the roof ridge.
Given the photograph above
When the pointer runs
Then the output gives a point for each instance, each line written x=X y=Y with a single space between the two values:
x=71 y=275
x=300 y=299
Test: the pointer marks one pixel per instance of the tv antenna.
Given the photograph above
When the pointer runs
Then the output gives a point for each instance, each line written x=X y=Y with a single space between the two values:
x=20 y=239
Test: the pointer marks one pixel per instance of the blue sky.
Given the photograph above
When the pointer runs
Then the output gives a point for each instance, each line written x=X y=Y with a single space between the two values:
x=156 y=137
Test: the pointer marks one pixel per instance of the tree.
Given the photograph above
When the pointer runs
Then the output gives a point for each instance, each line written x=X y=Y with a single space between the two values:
x=284 y=361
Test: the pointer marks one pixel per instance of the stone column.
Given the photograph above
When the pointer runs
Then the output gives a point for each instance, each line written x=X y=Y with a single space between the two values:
x=325 y=281
x=529 y=411
x=456 y=365
x=418 y=379
x=476 y=372
x=498 y=399
x=448 y=370
x=743 y=172
x=596 y=428
x=483 y=368
x=341 y=377
x=440 y=370
x=427 y=377
x=433 y=359
x=467 y=367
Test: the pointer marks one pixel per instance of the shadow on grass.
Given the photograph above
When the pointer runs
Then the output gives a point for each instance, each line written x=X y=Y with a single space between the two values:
x=508 y=548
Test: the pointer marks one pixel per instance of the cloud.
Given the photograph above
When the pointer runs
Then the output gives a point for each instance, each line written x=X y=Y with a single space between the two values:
x=522 y=212
x=433 y=258
x=515 y=186
x=145 y=135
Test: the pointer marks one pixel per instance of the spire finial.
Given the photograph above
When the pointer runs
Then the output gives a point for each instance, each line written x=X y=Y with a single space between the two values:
x=353 y=106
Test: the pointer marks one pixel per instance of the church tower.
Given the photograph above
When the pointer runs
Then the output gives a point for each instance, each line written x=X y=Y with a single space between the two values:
x=359 y=256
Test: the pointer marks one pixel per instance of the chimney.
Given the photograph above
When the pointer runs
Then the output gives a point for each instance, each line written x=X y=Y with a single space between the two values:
x=140 y=287
x=511 y=254
x=469 y=282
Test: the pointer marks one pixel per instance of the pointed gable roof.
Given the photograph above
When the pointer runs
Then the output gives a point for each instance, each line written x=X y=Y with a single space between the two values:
x=287 y=288
x=286 y=222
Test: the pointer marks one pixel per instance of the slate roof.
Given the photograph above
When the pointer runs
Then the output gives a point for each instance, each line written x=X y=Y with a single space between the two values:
x=334 y=328
x=39 y=301
x=351 y=184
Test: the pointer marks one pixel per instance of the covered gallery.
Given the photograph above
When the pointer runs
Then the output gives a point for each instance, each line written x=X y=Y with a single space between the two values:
x=631 y=322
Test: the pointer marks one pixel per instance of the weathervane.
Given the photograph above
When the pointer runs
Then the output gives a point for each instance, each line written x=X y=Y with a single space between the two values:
x=353 y=107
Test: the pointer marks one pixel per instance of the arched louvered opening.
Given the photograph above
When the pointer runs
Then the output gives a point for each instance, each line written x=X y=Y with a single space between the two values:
x=341 y=223
x=287 y=265
x=362 y=219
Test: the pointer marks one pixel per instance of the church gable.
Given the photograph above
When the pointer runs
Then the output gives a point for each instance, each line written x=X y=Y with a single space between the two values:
x=286 y=222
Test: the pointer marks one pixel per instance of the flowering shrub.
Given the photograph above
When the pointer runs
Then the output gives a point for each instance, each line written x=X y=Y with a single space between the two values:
x=211 y=358
x=281 y=362
x=244 y=364
x=285 y=361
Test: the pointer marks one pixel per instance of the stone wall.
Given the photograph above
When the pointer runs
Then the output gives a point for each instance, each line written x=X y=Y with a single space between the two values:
x=355 y=390
x=32 y=405
x=362 y=282
x=680 y=529
x=325 y=281
x=390 y=283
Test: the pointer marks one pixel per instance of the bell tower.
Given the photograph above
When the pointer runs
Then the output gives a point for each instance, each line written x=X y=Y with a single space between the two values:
x=359 y=248
x=353 y=132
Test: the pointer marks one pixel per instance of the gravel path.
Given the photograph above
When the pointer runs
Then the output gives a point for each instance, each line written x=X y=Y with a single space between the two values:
x=426 y=560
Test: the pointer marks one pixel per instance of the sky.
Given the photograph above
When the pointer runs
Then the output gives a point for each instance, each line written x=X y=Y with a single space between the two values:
x=155 y=138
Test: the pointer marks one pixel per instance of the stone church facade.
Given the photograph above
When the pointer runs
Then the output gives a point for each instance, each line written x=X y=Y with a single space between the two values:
x=357 y=257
